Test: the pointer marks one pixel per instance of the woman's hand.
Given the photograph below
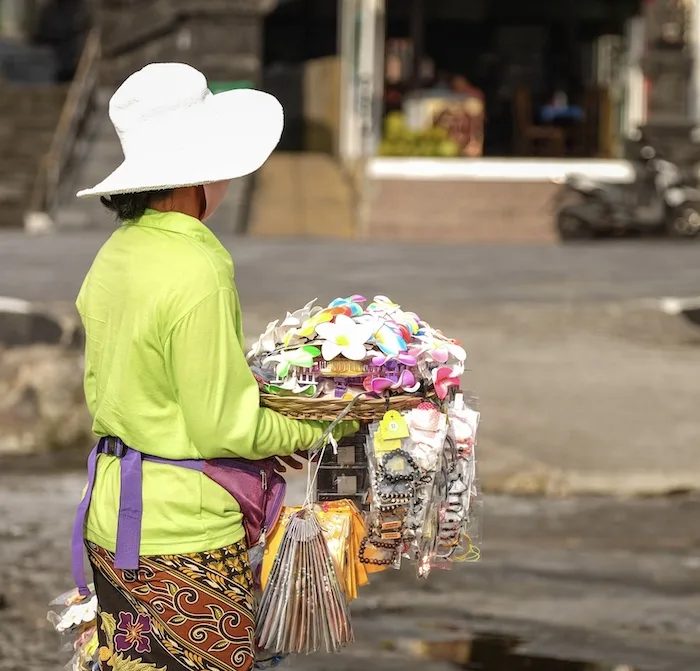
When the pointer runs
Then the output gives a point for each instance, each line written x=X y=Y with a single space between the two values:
x=348 y=427
x=296 y=460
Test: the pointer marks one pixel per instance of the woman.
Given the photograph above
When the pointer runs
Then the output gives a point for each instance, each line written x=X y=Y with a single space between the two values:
x=166 y=375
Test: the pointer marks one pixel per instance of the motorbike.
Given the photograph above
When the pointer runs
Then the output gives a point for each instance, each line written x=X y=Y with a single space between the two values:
x=660 y=198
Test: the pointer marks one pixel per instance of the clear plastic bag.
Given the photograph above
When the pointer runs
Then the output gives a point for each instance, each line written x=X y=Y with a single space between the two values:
x=71 y=611
x=402 y=468
x=74 y=617
x=388 y=500
x=85 y=651
x=458 y=527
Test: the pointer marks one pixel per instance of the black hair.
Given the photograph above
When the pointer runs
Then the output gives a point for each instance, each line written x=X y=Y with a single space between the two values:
x=131 y=206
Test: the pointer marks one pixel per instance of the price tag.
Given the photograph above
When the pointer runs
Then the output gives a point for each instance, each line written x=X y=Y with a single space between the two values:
x=393 y=426
x=392 y=429
x=382 y=446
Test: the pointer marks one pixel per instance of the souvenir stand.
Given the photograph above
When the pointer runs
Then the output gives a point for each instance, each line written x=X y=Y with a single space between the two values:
x=402 y=490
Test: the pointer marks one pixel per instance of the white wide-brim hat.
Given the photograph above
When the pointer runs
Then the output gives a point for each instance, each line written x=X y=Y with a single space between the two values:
x=175 y=132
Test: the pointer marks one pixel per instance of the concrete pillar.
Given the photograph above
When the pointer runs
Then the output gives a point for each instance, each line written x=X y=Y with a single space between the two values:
x=361 y=33
x=635 y=107
x=347 y=36
x=371 y=71
x=694 y=37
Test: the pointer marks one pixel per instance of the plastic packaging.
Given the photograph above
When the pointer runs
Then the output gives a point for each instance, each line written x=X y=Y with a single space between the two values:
x=74 y=617
x=304 y=607
x=458 y=519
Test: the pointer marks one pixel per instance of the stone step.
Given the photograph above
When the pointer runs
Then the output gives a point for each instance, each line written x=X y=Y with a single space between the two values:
x=17 y=179
x=28 y=119
x=27 y=64
x=31 y=151
x=12 y=215
x=303 y=195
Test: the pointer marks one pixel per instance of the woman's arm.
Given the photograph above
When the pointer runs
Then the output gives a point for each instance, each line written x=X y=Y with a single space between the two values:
x=217 y=392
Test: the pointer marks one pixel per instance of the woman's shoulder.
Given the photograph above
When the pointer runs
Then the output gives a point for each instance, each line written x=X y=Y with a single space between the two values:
x=178 y=259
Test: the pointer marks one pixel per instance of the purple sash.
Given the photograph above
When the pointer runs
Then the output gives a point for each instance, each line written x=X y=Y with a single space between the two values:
x=256 y=486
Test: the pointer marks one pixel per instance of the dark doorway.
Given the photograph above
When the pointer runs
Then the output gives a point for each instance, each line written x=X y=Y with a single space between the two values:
x=296 y=32
x=62 y=26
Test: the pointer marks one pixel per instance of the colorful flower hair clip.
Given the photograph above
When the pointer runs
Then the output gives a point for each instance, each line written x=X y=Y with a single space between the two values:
x=344 y=337
x=302 y=357
x=353 y=304
x=297 y=318
x=389 y=340
x=308 y=328
x=404 y=381
x=266 y=343
x=405 y=358
x=443 y=379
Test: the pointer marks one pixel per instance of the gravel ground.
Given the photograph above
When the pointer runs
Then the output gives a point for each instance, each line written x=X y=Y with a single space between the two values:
x=591 y=579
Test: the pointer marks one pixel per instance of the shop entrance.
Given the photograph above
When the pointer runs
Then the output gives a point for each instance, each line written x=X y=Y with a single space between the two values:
x=502 y=78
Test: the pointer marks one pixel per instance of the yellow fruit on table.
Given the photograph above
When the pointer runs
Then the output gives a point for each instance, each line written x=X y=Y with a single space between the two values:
x=437 y=133
x=449 y=149
x=394 y=125
x=386 y=148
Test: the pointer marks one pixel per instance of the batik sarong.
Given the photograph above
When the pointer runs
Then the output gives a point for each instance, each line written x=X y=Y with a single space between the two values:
x=183 y=612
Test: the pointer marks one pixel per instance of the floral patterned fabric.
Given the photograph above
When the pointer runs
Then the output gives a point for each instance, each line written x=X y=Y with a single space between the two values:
x=176 y=612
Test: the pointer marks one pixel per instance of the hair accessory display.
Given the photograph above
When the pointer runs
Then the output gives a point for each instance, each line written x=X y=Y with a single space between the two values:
x=347 y=349
x=403 y=489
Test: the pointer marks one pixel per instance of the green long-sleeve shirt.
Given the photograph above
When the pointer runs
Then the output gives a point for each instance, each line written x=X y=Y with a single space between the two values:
x=165 y=371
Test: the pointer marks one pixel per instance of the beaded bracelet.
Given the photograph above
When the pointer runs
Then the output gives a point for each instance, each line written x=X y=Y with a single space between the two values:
x=381 y=545
x=399 y=477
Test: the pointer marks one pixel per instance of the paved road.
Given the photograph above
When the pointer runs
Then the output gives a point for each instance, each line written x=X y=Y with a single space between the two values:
x=577 y=379
x=51 y=268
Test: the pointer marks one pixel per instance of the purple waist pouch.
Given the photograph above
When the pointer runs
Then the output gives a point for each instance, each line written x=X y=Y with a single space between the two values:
x=256 y=486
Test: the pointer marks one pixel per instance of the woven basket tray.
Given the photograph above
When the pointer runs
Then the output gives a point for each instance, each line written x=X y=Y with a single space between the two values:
x=323 y=409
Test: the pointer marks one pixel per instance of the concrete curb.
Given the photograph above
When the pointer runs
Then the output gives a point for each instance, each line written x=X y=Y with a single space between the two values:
x=541 y=480
x=25 y=324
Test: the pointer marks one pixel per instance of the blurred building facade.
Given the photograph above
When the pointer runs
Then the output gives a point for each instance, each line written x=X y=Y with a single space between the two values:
x=400 y=114
x=60 y=60
x=524 y=93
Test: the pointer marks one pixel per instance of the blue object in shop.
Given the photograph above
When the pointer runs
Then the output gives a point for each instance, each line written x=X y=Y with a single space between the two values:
x=552 y=113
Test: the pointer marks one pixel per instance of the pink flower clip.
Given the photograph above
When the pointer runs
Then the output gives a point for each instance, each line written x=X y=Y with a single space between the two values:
x=443 y=379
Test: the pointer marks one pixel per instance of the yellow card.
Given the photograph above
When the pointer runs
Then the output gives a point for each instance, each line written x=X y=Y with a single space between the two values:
x=393 y=426
x=382 y=446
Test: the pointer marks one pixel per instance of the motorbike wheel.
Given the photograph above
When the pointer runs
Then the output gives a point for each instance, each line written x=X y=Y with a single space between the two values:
x=685 y=222
x=572 y=227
